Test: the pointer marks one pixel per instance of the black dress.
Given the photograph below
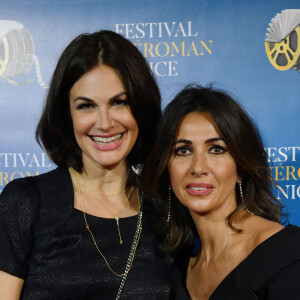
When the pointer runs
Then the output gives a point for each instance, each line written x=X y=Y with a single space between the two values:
x=271 y=271
x=44 y=241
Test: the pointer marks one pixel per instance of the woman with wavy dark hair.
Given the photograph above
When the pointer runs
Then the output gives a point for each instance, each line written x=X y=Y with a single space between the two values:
x=210 y=179
x=84 y=230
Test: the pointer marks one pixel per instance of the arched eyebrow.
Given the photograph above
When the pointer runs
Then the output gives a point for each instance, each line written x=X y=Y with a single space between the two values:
x=82 y=98
x=183 y=141
x=91 y=100
x=216 y=139
x=188 y=142
x=118 y=95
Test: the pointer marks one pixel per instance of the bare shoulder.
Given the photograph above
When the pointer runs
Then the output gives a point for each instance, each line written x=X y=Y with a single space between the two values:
x=261 y=229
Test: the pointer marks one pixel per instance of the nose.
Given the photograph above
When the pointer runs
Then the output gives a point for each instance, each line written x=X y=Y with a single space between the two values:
x=199 y=166
x=104 y=120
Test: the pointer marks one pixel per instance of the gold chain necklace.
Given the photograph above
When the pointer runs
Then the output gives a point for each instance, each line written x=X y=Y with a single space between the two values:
x=135 y=242
x=118 y=214
x=97 y=192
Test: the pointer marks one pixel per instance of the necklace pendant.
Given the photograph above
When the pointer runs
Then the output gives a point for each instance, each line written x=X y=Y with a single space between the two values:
x=118 y=226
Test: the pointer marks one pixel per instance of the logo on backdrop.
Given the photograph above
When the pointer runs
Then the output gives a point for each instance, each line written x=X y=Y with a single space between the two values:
x=282 y=40
x=17 y=53
x=21 y=165
x=285 y=171
x=166 y=42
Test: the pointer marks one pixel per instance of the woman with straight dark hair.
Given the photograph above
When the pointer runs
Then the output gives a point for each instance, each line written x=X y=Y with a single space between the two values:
x=211 y=183
x=84 y=230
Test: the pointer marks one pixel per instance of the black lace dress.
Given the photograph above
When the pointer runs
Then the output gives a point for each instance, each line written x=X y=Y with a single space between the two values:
x=44 y=241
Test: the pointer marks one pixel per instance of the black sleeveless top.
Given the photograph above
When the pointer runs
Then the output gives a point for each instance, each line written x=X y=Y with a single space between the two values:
x=45 y=242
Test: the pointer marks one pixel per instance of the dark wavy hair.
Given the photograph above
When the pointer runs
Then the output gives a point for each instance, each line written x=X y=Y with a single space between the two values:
x=55 y=129
x=244 y=144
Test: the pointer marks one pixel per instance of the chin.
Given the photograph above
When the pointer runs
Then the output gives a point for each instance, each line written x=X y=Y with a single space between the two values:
x=202 y=211
x=109 y=164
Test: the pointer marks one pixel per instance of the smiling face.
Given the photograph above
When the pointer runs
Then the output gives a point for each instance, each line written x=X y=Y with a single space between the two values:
x=203 y=174
x=104 y=126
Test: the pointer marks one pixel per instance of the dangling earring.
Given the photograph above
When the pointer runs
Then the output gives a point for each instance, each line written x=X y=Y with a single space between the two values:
x=242 y=198
x=169 y=204
x=241 y=192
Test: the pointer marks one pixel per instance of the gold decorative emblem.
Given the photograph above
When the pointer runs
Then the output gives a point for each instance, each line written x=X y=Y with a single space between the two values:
x=282 y=41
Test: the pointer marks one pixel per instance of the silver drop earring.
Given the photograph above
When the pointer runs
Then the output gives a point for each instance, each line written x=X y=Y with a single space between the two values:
x=241 y=191
x=242 y=197
x=169 y=204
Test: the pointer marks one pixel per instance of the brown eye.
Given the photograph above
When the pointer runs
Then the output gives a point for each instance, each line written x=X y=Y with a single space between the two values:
x=182 y=151
x=119 y=103
x=217 y=149
x=84 y=106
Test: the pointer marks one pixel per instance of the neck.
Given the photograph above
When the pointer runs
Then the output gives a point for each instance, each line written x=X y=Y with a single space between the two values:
x=214 y=233
x=104 y=180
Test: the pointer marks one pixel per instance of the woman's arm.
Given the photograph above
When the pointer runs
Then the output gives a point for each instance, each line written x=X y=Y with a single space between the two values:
x=10 y=286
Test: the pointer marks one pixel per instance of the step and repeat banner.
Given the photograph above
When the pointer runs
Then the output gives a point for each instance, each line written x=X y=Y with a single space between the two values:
x=249 y=48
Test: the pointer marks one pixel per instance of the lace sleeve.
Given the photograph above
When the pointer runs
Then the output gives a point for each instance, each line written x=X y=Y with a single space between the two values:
x=18 y=215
